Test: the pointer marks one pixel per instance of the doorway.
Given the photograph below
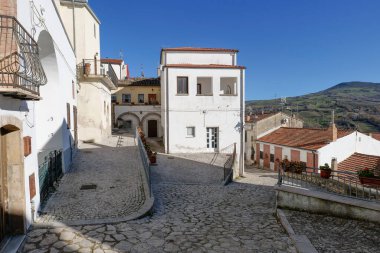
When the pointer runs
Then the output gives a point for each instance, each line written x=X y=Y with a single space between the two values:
x=212 y=139
x=152 y=128
x=152 y=99
x=12 y=188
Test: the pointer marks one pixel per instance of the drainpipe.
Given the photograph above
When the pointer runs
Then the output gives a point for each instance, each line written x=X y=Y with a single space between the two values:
x=167 y=108
x=241 y=160
x=74 y=32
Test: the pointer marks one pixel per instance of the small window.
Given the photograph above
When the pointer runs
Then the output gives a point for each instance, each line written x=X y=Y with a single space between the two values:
x=68 y=116
x=126 y=98
x=140 y=98
x=182 y=85
x=113 y=98
x=204 y=86
x=190 y=131
x=261 y=155
x=272 y=158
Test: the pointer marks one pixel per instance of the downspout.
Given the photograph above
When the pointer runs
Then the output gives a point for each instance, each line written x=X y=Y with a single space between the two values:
x=241 y=160
x=74 y=32
x=167 y=108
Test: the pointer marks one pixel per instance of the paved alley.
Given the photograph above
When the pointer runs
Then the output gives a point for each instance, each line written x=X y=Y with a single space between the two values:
x=104 y=183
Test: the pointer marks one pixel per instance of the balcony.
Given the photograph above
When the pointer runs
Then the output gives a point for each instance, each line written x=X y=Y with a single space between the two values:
x=89 y=70
x=21 y=72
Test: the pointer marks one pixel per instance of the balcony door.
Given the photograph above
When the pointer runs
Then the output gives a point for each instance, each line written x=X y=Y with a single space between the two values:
x=212 y=139
x=152 y=98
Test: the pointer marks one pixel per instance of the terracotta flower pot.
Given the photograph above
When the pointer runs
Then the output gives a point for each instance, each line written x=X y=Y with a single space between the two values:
x=87 y=68
x=325 y=174
x=370 y=181
x=153 y=159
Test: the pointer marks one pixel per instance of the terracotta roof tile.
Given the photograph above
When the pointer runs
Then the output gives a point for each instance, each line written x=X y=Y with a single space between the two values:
x=204 y=66
x=200 y=49
x=112 y=61
x=146 y=82
x=304 y=138
x=258 y=117
x=376 y=136
x=357 y=162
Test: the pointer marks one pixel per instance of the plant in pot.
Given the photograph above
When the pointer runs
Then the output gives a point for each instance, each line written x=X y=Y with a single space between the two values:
x=367 y=176
x=153 y=158
x=299 y=167
x=325 y=171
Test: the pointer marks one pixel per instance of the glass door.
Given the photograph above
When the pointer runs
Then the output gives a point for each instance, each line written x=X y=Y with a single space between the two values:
x=212 y=139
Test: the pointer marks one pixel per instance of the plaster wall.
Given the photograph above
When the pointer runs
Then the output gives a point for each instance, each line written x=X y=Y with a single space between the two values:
x=135 y=90
x=199 y=58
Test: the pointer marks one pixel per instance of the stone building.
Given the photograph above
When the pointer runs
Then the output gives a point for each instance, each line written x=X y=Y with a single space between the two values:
x=138 y=102
x=262 y=124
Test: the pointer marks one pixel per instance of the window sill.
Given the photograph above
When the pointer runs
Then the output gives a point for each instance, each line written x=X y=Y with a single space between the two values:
x=228 y=95
x=204 y=95
x=190 y=136
x=179 y=94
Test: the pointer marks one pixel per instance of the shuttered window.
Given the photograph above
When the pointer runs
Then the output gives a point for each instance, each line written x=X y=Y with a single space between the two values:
x=32 y=186
x=68 y=116
x=27 y=145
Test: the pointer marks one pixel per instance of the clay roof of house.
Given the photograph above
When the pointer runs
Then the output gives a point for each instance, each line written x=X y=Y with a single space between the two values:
x=200 y=49
x=111 y=61
x=304 y=138
x=359 y=161
x=204 y=66
x=258 y=117
x=376 y=136
x=145 y=82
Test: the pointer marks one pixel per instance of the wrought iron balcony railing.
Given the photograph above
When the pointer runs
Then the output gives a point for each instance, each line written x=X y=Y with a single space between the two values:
x=91 y=68
x=21 y=72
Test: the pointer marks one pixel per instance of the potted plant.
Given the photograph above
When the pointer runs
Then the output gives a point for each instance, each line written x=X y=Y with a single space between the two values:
x=153 y=158
x=367 y=176
x=298 y=167
x=325 y=171
x=87 y=68
x=285 y=165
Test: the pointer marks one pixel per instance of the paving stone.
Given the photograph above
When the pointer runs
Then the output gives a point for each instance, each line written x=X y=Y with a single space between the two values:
x=66 y=236
x=48 y=239
x=71 y=248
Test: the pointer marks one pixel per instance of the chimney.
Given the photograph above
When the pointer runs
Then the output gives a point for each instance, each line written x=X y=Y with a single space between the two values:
x=333 y=129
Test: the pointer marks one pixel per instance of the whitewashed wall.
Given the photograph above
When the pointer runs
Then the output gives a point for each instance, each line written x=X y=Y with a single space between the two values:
x=223 y=58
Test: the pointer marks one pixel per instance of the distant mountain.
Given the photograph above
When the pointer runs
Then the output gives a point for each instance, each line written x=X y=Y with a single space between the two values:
x=356 y=105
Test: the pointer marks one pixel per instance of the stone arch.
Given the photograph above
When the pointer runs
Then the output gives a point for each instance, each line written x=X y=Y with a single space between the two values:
x=150 y=114
x=145 y=124
x=12 y=178
x=123 y=118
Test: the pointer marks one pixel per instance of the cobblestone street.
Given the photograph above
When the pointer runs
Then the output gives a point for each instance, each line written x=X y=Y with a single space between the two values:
x=114 y=174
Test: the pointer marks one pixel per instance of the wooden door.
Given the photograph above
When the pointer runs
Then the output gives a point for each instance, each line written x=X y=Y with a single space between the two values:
x=266 y=156
x=152 y=98
x=152 y=128
x=277 y=157
x=295 y=155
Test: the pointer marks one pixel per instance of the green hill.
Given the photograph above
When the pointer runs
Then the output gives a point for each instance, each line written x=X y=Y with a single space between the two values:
x=356 y=105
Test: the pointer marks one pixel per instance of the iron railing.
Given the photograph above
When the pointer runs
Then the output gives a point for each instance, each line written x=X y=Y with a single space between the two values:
x=93 y=67
x=50 y=171
x=228 y=165
x=20 y=66
x=145 y=161
x=340 y=182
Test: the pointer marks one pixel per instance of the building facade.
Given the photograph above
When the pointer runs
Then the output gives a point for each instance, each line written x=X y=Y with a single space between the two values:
x=262 y=124
x=315 y=147
x=37 y=101
x=137 y=102
x=202 y=96
x=95 y=84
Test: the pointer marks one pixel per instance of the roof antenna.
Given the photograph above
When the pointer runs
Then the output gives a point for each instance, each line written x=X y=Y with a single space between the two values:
x=121 y=54
x=142 y=71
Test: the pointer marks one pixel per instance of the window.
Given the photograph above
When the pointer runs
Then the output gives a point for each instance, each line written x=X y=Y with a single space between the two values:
x=271 y=158
x=261 y=154
x=190 y=131
x=204 y=86
x=140 y=98
x=27 y=145
x=245 y=136
x=228 y=86
x=126 y=98
x=113 y=98
x=182 y=85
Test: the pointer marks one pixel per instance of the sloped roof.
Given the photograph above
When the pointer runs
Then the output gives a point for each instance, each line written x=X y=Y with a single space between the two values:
x=258 y=117
x=359 y=161
x=200 y=49
x=146 y=82
x=111 y=61
x=376 y=136
x=304 y=138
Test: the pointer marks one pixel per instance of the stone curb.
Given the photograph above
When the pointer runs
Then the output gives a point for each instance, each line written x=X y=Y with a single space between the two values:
x=302 y=243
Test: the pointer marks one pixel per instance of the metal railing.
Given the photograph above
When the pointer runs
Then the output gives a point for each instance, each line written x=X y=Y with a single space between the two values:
x=20 y=65
x=145 y=161
x=50 y=171
x=93 y=67
x=228 y=165
x=340 y=182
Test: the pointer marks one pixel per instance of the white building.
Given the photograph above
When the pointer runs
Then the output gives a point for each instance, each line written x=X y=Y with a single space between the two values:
x=315 y=147
x=37 y=101
x=95 y=85
x=202 y=96
x=116 y=65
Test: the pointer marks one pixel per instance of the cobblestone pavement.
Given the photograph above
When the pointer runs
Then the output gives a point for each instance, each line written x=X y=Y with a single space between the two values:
x=332 y=234
x=113 y=168
x=193 y=212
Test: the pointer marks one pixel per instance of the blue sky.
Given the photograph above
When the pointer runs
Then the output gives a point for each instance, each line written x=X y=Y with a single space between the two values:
x=290 y=47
